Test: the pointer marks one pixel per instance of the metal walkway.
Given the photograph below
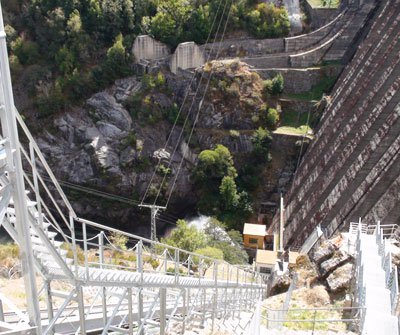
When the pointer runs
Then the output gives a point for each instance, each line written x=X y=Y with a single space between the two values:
x=377 y=280
x=137 y=287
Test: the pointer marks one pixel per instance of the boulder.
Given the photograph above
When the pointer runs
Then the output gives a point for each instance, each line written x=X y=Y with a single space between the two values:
x=108 y=109
x=161 y=155
x=340 y=279
x=325 y=251
x=337 y=260
x=280 y=285
x=110 y=131
x=125 y=87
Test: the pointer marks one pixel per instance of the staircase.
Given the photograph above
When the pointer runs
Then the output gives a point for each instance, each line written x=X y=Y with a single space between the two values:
x=143 y=287
x=181 y=290
x=377 y=282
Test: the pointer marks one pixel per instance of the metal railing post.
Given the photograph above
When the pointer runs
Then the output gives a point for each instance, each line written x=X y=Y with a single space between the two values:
x=104 y=289
x=165 y=260
x=176 y=258
x=130 y=312
x=139 y=266
x=163 y=310
x=74 y=252
x=85 y=250
x=1 y=311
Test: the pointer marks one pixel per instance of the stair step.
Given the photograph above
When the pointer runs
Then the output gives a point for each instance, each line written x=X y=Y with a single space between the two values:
x=377 y=322
x=60 y=294
x=29 y=202
x=46 y=224
x=50 y=234
x=36 y=240
x=43 y=250
x=377 y=298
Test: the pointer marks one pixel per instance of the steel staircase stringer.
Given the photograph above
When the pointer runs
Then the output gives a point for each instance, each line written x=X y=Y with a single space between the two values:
x=59 y=260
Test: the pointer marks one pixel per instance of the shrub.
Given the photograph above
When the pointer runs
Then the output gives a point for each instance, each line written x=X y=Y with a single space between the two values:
x=277 y=84
x=152 y=261
x=8 y=250
x=70 y=254
x=273 y=86
x=26 y=51
x=234 y=133
x=15 y=66
x=268 y=21
x=119 y=240
x=130 y=140
x=272 y=118
x=52 y=103
x=163 y=170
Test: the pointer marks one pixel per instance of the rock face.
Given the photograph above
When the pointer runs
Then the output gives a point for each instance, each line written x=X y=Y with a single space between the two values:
x=324 y=252
x=116 y=139
x=101 y=145
x=340 y=279
x=337 y=259
x=334 y=264
x=280 y=285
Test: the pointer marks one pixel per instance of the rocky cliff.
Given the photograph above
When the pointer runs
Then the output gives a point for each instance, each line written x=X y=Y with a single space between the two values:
x=115 y=139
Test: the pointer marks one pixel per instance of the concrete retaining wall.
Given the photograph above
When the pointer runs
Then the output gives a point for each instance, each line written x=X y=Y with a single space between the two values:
x=243 y=48
x=320 y=16
x=186 y=56
x=147 y=48
x=301 y=80
x=305 y=41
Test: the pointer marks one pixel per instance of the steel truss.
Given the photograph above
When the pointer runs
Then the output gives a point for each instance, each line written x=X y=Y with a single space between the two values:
x=137 y=287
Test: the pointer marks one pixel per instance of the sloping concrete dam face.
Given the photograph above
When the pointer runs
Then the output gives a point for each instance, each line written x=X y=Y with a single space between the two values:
x=352 y=168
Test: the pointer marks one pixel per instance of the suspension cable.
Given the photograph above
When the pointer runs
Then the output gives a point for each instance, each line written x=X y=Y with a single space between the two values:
x=193 y=102
x=181 y=107
x=198 y=111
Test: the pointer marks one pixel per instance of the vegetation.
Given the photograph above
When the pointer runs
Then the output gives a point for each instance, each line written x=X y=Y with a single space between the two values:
x=301 y=130
x=215 y=176
x=214 y=242
x=317 y=91
x=119 y=240
x=185 y=237
x=324 y=3
x=80 y=47
x=273 y=86
x=268 y=21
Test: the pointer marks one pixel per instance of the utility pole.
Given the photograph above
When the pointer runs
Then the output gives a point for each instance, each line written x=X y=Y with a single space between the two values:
x=154 y=210
x=281 y=224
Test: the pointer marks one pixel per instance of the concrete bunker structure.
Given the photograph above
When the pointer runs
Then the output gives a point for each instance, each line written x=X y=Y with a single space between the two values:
x=186 y=56
x=147 y=48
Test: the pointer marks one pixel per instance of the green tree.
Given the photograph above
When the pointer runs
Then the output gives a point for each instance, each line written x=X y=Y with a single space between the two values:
x=261 y=140
x=228 y=193
x=268 y=21
x=277 y=84
x=272 y=118
x=117 y=62
x=186 y=237
x=215 y=164
x=26 y=51
x=65 y=60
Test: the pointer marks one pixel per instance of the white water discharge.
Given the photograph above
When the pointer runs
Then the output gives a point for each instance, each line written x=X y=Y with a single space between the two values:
x=200 y=222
